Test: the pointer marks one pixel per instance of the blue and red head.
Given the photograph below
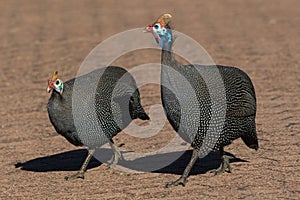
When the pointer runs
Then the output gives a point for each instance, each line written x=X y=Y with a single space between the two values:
x=55 y=84
x=161 y=31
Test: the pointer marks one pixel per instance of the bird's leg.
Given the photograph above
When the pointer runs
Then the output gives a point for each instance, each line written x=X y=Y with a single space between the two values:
x=225 y=166
x=80 y=173
x=117 y=155
x=183 y=179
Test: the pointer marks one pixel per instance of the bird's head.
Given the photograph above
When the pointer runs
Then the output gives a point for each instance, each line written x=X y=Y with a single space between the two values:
x=55 y=84
x=161 y=31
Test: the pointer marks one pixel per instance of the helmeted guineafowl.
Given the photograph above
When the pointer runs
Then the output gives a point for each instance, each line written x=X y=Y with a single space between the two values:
x=91 y=109
x=194 y=114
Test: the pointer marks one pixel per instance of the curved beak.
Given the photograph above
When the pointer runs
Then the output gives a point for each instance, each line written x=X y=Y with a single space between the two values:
x=147 y=29
x=49 y=89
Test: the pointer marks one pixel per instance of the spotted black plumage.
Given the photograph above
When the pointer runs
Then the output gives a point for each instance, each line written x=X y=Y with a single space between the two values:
x=208 y=106
x=94 y=107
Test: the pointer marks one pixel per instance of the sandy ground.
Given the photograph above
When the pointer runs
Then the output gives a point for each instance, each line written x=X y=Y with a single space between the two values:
x=37 y=37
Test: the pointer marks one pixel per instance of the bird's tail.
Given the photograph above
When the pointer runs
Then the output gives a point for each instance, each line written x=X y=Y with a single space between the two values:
x=136 y=109
x=251 y=140
x=142 y=115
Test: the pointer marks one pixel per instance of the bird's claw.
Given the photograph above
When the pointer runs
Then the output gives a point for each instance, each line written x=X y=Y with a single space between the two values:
x=181 y=181
x=115 y=158
x=224 y=167
x=75 y=176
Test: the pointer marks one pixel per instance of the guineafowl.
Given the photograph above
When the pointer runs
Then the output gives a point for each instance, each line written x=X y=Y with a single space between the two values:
x=193 y=114
x=91 y=116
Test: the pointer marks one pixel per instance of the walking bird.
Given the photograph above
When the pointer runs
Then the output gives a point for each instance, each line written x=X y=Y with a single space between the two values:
x=92 y=116
x=192 y=115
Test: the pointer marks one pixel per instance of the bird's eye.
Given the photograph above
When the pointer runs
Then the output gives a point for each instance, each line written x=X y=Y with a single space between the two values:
x=156 y=26
x=57 y=82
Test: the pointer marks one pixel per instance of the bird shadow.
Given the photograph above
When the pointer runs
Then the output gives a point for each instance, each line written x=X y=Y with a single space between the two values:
x=72 y=161
x=66 y=161
x=203 y=165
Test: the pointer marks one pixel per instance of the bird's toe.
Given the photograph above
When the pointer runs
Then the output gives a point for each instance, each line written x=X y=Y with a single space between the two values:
x=75 y=176
x=224 y=167
x=181 y=181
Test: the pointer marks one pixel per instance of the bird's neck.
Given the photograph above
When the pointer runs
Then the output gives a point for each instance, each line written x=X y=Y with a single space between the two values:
x=168 y=58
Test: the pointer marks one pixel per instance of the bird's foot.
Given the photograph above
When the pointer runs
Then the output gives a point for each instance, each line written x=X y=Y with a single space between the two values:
x=181 y=181
x=79 y=174
x=117 y=155
x=114 y=160
x=224 y=167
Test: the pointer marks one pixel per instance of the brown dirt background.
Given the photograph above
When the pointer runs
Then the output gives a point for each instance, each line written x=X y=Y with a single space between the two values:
x=37 y=37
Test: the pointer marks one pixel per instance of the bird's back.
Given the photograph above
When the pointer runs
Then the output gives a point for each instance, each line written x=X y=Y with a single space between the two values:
x=211 y=98
x=96 y=106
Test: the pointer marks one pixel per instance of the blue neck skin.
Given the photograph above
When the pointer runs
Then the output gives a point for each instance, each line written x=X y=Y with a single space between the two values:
x=164 y=39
